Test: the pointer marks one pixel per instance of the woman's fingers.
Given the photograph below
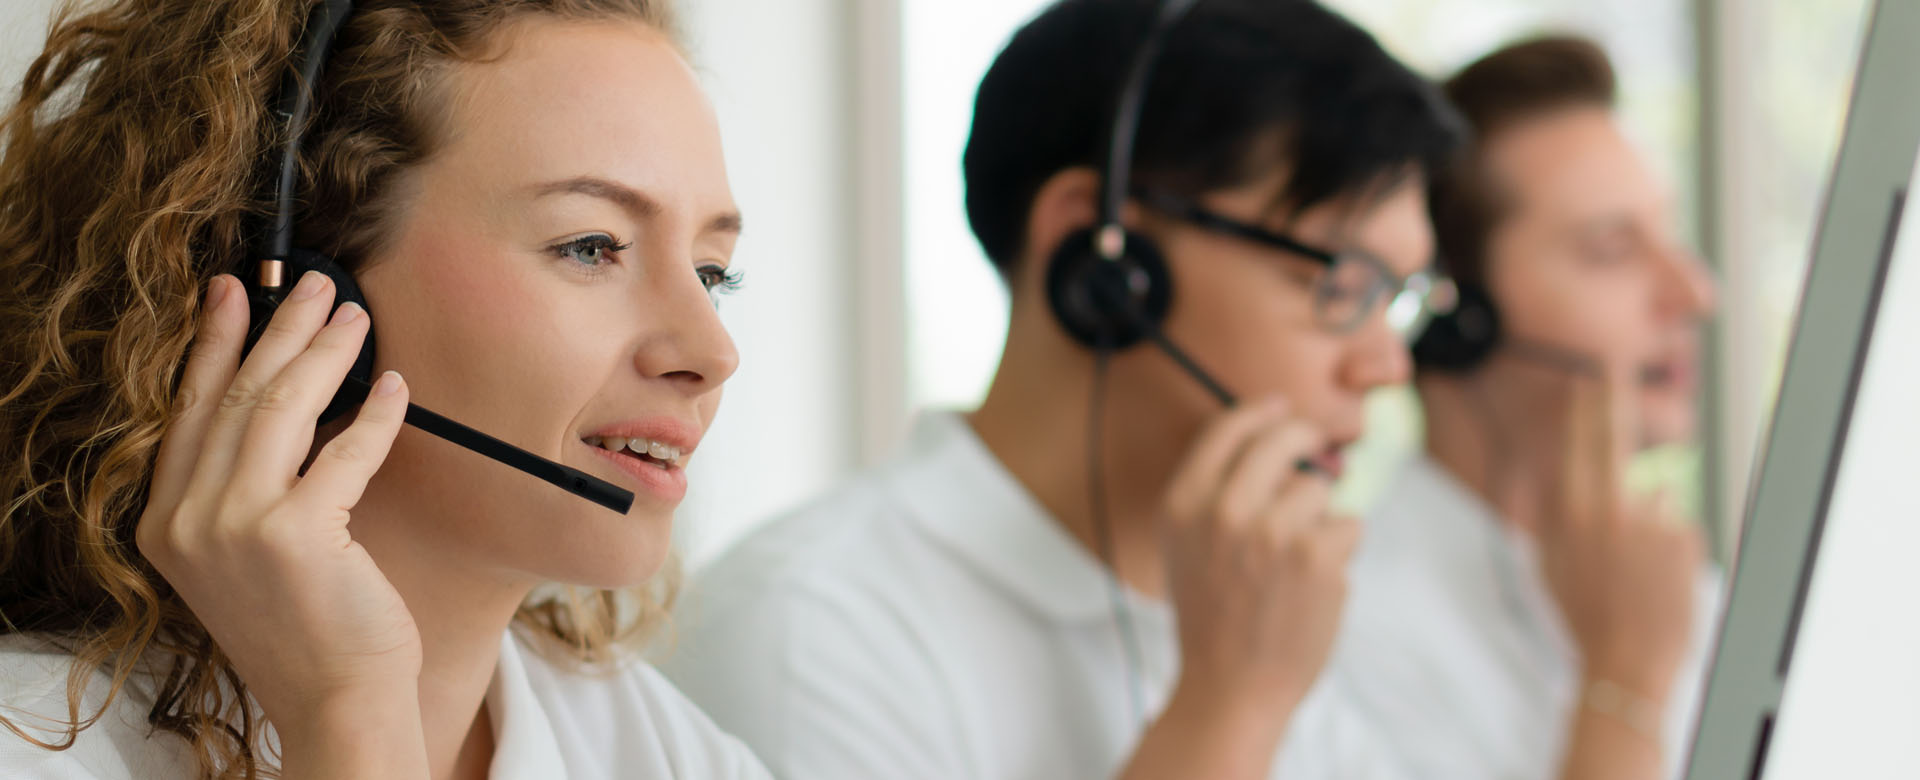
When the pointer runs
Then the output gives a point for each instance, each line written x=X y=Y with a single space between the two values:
x=210 y=369
x=211 y=363
x=280 y=433
x=340 y=472
x=288 y=334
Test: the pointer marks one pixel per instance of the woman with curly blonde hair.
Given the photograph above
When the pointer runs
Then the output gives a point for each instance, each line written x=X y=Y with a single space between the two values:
x=197 y=578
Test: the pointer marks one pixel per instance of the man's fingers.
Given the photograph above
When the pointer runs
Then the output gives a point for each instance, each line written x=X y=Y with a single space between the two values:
x=1340 y=536
x=1267 y=464
x=1301 y=505
x=1196 y=483
x=1584 y=489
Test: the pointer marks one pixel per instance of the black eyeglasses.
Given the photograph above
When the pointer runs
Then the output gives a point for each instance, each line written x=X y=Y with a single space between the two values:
x=1356 y=282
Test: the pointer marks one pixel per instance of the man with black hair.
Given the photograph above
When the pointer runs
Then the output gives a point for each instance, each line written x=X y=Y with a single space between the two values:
x=1514 y=614
x=1101 y=572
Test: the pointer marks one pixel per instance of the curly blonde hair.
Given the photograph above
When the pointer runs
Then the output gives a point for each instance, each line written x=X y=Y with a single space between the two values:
x=131 y=173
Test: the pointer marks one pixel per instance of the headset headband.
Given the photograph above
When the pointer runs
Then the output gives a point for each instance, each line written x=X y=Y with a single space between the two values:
x=1110 y=241
x=296 y=103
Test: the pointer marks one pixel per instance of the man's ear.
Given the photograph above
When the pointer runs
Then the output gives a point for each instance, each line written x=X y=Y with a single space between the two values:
x=1067 y=202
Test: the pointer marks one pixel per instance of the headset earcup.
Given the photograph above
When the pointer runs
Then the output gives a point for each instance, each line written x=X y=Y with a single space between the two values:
x=1076 y=275
x=1461 y=340
x=345 y=289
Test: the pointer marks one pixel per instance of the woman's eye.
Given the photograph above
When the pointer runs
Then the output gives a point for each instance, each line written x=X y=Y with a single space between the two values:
x=591 y=251
x=720 y=281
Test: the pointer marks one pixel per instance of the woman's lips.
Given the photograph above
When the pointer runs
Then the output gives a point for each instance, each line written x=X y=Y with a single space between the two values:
x=667 y=483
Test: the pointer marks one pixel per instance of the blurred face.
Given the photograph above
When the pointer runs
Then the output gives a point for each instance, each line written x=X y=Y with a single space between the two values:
x=549 y=282
x=1587 y=261
x=1246 y=311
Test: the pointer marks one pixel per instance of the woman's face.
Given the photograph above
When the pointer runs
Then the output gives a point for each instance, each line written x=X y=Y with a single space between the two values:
x=549 y=281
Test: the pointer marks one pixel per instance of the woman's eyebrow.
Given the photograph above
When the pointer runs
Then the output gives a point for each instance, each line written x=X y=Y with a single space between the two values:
x=632 y=200
x=621 y=195
x=728 y=222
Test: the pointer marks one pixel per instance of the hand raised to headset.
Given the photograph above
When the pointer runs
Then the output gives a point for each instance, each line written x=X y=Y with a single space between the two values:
x=260 y=552
x=1256 y=570
x=1621 y=570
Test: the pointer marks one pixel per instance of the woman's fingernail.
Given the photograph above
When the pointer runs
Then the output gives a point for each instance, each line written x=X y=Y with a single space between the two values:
x=216 y=291
x=309 y=286
x=347 y=312
x=388 y=385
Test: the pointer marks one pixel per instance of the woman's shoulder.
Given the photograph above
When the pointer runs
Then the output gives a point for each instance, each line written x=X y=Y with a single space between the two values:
x=39 y=706
x=630 y=715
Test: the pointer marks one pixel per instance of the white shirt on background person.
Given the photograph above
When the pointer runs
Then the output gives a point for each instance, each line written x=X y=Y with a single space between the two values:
x=1453 y=647
x=929 y=620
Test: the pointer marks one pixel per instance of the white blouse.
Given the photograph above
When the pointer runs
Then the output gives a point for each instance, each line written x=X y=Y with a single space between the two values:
x=548 y=722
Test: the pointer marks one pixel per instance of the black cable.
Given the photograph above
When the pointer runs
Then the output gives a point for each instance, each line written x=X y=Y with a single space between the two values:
x=1103 y=536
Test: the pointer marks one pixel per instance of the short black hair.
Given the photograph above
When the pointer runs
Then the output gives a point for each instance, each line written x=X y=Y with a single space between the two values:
x=1242 y=88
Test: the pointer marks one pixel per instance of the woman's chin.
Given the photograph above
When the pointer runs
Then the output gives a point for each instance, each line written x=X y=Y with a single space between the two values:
x=615 y=558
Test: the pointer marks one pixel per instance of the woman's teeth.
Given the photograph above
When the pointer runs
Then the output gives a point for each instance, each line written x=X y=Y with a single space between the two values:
x=664 y=455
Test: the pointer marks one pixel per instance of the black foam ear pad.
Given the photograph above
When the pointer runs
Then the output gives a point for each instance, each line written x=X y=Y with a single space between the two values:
x=261 y=310
x=1461 y=340
x=1101 y=303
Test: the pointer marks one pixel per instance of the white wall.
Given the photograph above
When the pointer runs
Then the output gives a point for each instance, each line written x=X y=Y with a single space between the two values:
x=780 y=73
x=23 y=30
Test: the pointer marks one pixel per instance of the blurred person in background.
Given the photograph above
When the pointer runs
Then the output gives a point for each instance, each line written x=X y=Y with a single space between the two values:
x=1101 y=572
x=1515 y=613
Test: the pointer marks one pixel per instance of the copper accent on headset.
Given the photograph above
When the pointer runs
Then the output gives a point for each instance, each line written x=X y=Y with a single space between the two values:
x=1112 y=241
x=271 y=274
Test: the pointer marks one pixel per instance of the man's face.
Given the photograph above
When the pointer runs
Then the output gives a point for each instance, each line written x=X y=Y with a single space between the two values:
x=1585 y=259
x=1246 y=312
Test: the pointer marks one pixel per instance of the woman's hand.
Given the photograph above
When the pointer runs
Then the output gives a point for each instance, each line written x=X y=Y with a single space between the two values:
x=260 y=551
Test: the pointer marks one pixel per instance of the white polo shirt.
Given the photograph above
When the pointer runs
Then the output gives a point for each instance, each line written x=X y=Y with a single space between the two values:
x=929 y=620
x=548 y=723
x=1453 y=644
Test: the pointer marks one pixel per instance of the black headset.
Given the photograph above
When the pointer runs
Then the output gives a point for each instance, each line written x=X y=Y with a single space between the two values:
x=1464 y=338
x=1109 y=287
x=270 y=277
